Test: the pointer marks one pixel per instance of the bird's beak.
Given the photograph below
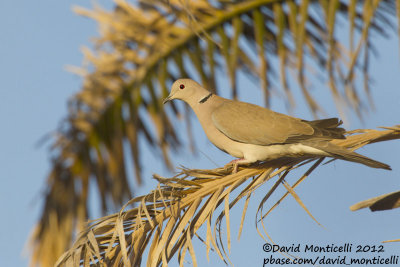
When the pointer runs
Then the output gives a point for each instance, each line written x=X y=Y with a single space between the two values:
x=167 y=99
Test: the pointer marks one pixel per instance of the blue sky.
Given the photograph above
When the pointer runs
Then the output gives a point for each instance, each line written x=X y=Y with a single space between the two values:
x=38 y=39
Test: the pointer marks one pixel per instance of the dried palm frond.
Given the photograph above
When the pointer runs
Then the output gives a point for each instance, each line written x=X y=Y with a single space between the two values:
x=383 y=202
x=167 y=219
x=145 y=45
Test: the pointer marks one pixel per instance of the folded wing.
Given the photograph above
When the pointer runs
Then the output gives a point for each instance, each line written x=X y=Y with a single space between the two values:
x=252 y=124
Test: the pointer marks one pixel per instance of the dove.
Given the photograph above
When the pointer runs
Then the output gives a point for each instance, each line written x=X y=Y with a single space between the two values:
x=252 y=133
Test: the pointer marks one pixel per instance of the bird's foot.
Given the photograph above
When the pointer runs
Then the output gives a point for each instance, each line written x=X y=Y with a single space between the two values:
x=237 y=162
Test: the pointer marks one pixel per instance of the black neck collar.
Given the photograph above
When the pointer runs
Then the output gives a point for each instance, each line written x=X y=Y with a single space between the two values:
x=203 y=100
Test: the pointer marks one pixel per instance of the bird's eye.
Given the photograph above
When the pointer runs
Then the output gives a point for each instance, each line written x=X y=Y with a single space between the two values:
x=182 y=86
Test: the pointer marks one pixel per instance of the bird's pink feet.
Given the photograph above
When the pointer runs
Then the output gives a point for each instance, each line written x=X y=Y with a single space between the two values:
x=237 y=162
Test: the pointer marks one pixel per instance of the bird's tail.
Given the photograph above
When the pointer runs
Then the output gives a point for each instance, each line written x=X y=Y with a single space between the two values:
x=344 y=154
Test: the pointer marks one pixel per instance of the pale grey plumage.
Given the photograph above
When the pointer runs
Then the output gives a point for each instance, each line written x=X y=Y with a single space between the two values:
x=253 y=133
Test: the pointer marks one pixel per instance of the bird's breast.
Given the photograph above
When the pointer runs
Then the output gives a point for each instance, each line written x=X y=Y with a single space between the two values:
x=220 y=140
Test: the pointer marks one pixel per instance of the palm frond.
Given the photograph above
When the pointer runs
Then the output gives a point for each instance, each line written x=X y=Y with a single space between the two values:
x=167 y=219
x=383 y=202
x=144 y=46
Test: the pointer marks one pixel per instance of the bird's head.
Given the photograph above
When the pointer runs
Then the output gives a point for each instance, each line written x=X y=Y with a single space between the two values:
x=186 y=90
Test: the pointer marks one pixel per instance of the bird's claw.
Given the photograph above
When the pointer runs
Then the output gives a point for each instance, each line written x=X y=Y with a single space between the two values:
x=235 y=164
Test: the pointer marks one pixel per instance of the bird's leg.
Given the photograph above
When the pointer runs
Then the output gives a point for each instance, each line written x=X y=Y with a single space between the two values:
x=237 y=162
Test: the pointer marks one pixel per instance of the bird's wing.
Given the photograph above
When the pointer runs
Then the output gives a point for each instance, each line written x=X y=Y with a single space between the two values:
x=252 y=124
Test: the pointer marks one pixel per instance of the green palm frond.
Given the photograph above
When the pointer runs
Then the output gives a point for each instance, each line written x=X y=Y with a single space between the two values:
x=144 y=46
x=166 y=220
